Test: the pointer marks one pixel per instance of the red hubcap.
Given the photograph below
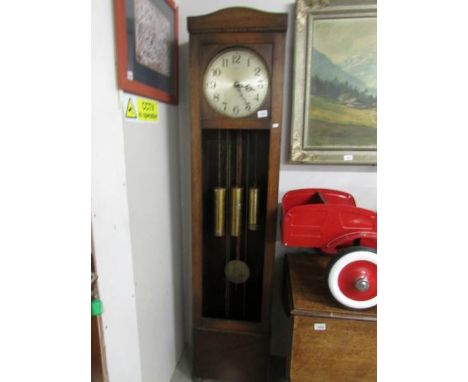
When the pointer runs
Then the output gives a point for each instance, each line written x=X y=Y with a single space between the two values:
x=354 y=271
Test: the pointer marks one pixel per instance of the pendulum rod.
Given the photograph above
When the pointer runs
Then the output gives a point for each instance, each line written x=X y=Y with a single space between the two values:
x=227 y=251
x=236 y=192
x=255 y=157
x=247 y=161
x=219 y=197
x=219 y=158
x=236 y=212
x=253 y=192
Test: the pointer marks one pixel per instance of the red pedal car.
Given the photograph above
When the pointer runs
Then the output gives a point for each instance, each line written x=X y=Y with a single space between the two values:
x=329 y=220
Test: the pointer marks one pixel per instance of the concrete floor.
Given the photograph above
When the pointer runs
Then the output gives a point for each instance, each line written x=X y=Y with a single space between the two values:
x=183 y=371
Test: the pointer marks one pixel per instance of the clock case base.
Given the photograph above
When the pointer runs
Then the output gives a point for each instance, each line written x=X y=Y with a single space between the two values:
x=230 y=356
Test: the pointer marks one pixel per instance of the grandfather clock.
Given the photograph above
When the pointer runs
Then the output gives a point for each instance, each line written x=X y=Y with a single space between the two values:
x=236 y=93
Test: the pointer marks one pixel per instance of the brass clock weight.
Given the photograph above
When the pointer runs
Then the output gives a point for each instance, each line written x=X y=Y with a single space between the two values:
x=236 y=92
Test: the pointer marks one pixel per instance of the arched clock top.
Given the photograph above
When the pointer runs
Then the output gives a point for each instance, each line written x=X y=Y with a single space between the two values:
x=238 y=19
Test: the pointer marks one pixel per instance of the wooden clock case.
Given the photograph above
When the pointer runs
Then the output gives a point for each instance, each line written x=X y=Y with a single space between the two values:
x=231 y=321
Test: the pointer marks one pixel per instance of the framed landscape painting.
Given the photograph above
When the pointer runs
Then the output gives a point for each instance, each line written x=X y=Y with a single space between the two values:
x=334 y=116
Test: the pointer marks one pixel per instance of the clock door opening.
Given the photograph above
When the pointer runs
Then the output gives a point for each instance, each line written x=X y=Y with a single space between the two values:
x=235 y=176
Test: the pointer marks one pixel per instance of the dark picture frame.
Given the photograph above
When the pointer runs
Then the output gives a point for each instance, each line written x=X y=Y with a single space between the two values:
x=146 y=34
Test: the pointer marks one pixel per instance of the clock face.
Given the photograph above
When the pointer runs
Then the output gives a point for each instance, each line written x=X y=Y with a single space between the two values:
x=236 y=82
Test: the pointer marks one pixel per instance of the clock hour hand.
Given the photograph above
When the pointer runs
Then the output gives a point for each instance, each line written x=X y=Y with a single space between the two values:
x=238 y=86
x=246 y=87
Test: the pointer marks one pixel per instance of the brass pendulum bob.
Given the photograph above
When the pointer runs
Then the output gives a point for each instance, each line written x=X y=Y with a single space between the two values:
x=237 y=272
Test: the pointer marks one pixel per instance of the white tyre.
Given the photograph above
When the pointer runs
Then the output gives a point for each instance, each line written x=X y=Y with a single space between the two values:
x=352 y=279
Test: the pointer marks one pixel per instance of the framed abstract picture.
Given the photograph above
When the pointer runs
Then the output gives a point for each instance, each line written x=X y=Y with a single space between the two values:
x=334 y=112
x=147 y=48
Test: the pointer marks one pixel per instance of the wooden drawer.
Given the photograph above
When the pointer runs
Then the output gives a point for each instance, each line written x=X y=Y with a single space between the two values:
x=328 y=343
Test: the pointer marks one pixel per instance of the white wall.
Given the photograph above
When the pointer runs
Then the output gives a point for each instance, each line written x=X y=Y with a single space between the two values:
x=359 y=180
x=153 y=196
x=110 y=217
x=136 y=224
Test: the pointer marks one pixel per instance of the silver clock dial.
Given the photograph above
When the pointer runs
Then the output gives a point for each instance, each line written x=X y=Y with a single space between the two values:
x=236 y=82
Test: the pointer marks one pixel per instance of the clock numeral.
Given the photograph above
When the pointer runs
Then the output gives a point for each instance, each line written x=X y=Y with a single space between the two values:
x=248 y=62
x=260 y=84
x=216 y=72
x=216 y=97
x=225 y=62
x=236 y=109
x=257 y=98
x=247 y=106
x=257 y=71
x=212 y=85
x=225 y=106
x=236 y=59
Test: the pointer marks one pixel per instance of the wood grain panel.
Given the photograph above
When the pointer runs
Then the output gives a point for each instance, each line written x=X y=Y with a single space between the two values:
x=238 y=19
x=344 y=352
x=233 y=357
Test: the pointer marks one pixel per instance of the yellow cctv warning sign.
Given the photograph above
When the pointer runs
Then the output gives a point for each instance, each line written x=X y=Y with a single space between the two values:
x=147 y=110
x=139 y=109
x=130 y=113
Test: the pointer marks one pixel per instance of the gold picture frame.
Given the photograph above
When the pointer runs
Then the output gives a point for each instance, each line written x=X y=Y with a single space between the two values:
x=334 y=111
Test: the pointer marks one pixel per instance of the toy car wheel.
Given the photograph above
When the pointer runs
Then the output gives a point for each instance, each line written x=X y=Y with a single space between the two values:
x=352 y=278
